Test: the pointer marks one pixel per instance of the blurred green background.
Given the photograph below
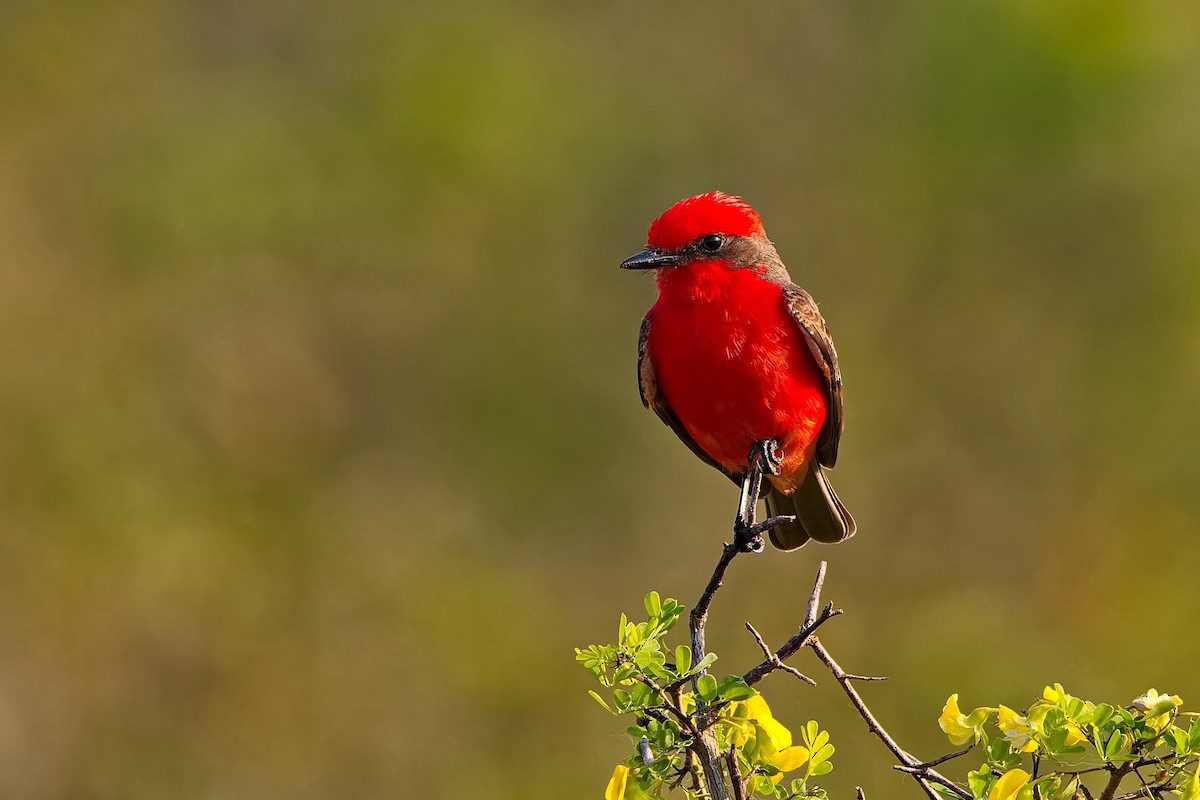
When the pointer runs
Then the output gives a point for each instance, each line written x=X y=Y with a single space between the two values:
x=320 y=447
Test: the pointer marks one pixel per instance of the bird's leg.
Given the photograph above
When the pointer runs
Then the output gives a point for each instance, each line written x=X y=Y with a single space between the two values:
x=767 y=455
x=765 y=458
x=744 y=535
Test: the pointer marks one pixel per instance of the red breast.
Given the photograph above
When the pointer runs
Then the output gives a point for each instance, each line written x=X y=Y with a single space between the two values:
x=733 y=364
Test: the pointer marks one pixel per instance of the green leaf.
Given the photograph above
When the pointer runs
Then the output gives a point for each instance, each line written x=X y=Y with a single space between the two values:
x=642 y=695
x=624 y=672
x=1114 y=745
x=653 y=605
x=998 y=750
x=732 y=688
x=705 y=662
x=707 y=687
x=942 y=790
x=622 y=699
x=980 y=781
x=1057 y=740
x=1063 y=789
x=666 y=736
x=1191 y=789
x=1176 y=739
x=1194 y=734
x=814 y=742
x=596 y=696
x=683 y=659
x=647 y=656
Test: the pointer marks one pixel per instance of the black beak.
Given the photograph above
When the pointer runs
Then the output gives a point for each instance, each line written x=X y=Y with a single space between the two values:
x=651 y=259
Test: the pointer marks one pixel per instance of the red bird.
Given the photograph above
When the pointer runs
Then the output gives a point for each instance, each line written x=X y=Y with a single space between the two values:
x=737 y=360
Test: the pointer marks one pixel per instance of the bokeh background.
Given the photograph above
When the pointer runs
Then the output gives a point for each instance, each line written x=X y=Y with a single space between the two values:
x=320 y=447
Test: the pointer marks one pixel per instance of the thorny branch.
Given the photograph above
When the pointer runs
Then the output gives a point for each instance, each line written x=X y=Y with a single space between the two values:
x=720 y=780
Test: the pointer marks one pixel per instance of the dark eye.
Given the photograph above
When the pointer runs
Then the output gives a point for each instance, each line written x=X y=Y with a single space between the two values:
x=712 y=242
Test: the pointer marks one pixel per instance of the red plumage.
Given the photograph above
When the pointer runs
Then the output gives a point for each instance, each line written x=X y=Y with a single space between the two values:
x=706 y=213
x=734 y=365
x=737 y=358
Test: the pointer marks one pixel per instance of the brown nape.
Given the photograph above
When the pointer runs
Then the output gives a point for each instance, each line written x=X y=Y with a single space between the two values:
x=752 y=251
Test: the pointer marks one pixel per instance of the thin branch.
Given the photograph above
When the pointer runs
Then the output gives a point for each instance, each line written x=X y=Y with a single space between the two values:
x=699 y=613
x=773 y=662
x=945 y=758
x=789 y=648
x=694 y=770
x=1114 y=783
x=735 y=774
x=705 y=745
x=673 y=707
x=704 y=748
x=814 y=599
x=924 y=775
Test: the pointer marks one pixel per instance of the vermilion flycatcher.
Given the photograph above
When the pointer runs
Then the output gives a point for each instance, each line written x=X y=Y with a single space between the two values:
x=737 y=360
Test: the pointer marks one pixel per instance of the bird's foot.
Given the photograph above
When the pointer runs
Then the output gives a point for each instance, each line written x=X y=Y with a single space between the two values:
x=766 y=456
x=748 y=537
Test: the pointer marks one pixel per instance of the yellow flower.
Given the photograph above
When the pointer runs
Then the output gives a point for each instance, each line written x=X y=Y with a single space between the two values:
x=1009 y=785
x=958 y=728
x=1154 y=703
x=773 y=741
x=617 y=783
x=1055 y=694
x=1157 y=708
x=1057 y=697
x=621 y=786
x=1017 y=729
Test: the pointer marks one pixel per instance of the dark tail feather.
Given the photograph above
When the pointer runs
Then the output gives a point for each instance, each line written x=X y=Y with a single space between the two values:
x=820 y=515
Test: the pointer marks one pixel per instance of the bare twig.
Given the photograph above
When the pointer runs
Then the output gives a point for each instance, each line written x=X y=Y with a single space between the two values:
x=814 y=599
x=773 y=662
x=699 y=613
x=705 y=746
x=812 y=621
x=705 y=749
x=947 y=757
x=924 y=774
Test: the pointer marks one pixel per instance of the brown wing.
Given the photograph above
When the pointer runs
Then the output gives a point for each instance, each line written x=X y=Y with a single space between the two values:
x=652 y=398
x=808 y=316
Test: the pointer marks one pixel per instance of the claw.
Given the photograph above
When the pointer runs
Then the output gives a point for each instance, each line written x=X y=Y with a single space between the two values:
x=767 y=456
x=748 y=538
x=764 y=458
x=748 y=544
